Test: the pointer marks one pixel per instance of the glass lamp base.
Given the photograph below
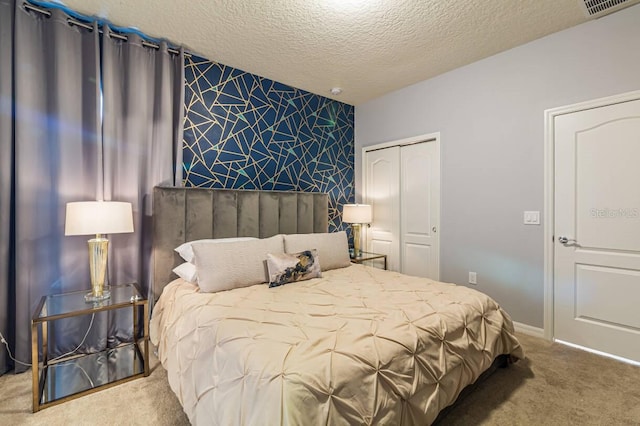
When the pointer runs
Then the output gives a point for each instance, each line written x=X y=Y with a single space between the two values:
x=89 y=297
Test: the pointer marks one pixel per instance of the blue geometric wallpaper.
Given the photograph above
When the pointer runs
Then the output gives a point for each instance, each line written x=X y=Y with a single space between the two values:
x=243 y=131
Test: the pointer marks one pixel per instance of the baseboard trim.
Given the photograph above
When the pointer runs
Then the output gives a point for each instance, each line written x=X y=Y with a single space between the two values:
x=528 y=329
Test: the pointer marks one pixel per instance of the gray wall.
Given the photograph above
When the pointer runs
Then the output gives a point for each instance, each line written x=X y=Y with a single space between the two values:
x=491 y=118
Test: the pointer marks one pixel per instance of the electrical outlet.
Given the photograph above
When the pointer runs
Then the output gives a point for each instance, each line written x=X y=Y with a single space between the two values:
x=473 y=278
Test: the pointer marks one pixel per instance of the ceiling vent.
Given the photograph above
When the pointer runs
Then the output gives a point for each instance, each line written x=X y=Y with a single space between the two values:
x=597 y=8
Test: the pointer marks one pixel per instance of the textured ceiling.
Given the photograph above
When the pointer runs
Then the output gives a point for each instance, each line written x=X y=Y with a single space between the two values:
x=366 y=47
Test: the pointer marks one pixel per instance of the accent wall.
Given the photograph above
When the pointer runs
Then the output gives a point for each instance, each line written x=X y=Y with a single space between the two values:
x=243 y=131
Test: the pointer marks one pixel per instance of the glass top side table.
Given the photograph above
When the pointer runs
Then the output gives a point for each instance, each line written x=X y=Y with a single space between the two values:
x=366 y=256
x=58 y=380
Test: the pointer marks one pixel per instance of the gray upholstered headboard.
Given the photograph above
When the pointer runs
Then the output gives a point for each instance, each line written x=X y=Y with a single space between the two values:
x=187 y=214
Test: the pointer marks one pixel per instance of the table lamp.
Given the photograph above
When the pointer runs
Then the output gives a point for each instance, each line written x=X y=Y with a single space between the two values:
x=356 y=215
x=99 y=218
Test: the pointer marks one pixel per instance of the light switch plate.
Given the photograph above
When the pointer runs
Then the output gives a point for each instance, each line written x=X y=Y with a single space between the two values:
x=532 y=218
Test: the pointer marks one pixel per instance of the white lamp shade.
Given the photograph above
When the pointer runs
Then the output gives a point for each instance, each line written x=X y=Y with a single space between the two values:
x=357 y=213
x=98 y=217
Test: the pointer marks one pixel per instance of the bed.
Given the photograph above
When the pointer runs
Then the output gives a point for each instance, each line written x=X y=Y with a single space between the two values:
x=357 y=345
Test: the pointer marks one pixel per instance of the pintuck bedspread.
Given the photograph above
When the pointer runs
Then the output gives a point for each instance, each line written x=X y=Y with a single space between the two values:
x=357 y=346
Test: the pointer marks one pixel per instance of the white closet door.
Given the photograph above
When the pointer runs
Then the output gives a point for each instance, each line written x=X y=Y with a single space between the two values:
x=420 y=209
x=382 y=185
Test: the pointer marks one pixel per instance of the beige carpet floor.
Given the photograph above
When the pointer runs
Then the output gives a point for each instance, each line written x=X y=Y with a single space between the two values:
x=555 y=385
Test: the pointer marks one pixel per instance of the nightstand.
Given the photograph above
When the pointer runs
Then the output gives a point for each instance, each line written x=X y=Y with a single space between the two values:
x=53 y=382
x=367 y=257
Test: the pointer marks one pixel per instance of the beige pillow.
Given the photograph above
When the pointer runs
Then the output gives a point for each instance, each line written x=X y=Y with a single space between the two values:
x=185 y=250
x=234 y=264
x=333 y=248
x=287 y=268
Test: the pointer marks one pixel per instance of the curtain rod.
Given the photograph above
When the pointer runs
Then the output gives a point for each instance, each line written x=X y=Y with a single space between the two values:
x=81 y=24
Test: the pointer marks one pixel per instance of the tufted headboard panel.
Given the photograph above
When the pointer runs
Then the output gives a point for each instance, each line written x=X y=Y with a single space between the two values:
x=186 y=214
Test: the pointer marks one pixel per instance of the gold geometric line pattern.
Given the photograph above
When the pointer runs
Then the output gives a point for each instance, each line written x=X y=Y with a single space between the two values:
x=243 y=131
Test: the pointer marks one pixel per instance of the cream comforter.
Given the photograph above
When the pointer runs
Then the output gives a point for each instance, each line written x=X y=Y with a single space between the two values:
x=357 y=346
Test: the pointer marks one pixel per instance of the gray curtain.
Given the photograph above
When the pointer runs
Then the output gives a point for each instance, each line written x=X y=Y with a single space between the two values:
x=56 y=145
x=143 y=91
x=52 y=152
x=6 y=157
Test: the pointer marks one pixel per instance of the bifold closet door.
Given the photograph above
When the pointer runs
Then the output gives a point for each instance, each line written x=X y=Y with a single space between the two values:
x=382 y=180
x=419 y=209
x=402 y=184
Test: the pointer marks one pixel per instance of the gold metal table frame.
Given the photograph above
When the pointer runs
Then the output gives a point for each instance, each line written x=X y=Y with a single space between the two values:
x=368 y=256
x=52 y=382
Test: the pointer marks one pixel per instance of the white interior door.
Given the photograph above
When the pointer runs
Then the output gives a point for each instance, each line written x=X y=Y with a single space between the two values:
x=597 y=211
x=382 y=180
x=420 y=209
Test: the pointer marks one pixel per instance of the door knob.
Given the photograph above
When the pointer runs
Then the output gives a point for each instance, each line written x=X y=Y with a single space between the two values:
x=434 y=229
x=566 y=240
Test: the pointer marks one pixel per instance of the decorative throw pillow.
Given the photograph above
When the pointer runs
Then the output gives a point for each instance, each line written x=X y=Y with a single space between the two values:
x=332 y=247
x=187 y=271
x=291 y=267
x=186 y=250
x=234 y=265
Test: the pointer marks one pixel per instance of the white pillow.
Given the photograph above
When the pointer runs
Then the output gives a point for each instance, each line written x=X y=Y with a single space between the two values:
x=333 y=247
x=234 y=265
x=186 y=251
x=187 y=271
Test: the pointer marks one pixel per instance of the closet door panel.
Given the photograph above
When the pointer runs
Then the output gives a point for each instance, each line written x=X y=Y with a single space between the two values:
x=419 y=209
x=413 y=260
x=382 y=182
